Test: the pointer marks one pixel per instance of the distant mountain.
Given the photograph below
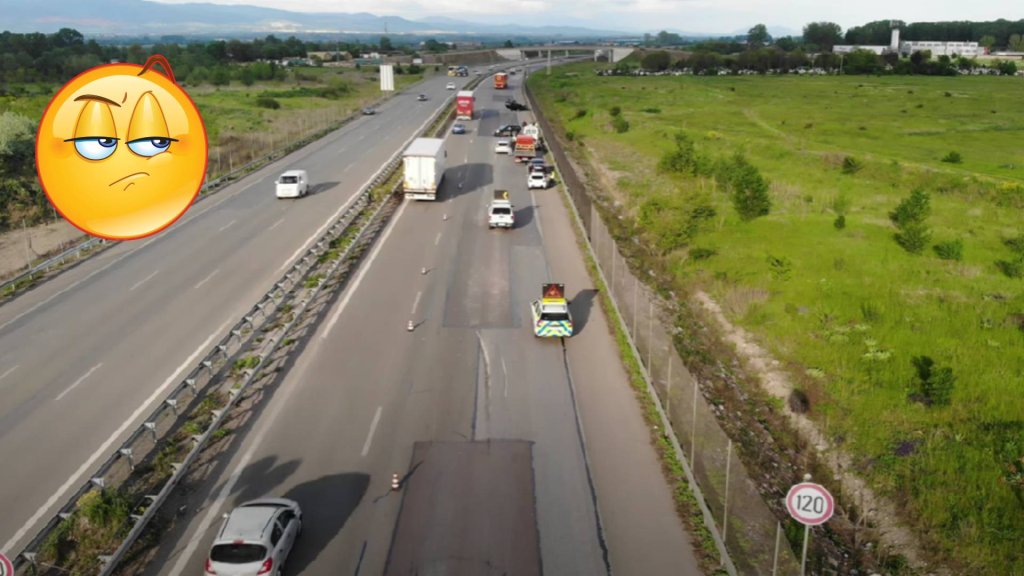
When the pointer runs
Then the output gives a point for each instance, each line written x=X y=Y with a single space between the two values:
x=141 y=17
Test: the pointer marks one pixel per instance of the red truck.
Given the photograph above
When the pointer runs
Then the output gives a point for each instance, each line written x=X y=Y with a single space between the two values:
x=501 y=81
x=464 y=105
x=528 y=143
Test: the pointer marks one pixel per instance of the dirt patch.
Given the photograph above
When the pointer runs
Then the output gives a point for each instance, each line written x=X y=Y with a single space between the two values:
x=20 y=246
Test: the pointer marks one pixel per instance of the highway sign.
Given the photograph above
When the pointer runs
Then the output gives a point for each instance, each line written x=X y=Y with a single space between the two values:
x=6 y=568
x=810 y=504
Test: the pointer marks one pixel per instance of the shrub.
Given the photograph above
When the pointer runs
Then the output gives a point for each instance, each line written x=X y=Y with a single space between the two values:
x=1016 y=244
x=749 y=189
x=580 y=113
x=932 y=386
x=620 y=124
x=952 y=158
x=1012 y=268
x=780 y=267
x=699 y=253
x=570 y=135
x=950 y=250
x=839 y=222
x=652 y=110
x=681 y=160
x=267 y=102
x=851 y=165
x=615 y=110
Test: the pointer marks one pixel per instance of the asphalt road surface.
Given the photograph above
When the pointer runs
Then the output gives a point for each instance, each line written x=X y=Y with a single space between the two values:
x=477 y=416
x=84 y=356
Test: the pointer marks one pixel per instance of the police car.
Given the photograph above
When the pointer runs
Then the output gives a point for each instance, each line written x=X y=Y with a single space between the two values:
x=551 y=316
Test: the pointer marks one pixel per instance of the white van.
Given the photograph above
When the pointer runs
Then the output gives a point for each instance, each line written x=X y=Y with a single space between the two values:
x=292 y=184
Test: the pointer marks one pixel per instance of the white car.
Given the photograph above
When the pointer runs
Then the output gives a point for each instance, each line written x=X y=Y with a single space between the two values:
x=450 y=86
x=537 y=179
x=503 y=147
x=255 y=539
x=292 y=184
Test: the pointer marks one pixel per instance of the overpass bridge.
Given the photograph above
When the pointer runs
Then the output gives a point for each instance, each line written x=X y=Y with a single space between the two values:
x=611 y=53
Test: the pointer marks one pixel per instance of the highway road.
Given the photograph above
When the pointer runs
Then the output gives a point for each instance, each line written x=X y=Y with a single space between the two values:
x=509 y=447
x=84 y=356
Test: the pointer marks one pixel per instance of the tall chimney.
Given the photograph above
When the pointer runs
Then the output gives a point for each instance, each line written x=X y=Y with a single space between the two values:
x=894 y=45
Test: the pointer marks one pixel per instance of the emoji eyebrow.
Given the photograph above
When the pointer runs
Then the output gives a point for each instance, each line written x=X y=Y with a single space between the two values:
x=94 y=97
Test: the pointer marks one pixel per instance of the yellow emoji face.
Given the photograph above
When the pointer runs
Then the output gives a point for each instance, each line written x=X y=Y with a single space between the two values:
x=121 y=150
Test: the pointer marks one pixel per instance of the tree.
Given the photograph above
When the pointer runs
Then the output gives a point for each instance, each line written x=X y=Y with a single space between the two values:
x=509 y=44
x=668 y=39
x=987 y=41
x=1007 y=68
x=656 y=61
x=824 y=35
x=863 y=62
x=1016 y=43
x=246 y=76
x=749 y=189
x=385 y=44
x=786 y=43
x=432 y=45
x=758 y=36
x=909 y=218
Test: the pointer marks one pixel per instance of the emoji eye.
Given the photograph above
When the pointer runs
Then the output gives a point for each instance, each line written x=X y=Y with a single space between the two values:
x=149 y=146
x=95 y=148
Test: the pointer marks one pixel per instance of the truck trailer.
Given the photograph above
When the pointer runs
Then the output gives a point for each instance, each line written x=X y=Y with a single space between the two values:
x=501 y=81
x=464 y=105
x=423 y=165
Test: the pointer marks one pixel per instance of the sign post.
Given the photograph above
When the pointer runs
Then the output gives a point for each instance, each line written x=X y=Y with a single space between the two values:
x=811 y=505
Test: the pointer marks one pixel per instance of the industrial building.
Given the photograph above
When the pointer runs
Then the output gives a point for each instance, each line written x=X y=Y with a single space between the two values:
x=968 y=49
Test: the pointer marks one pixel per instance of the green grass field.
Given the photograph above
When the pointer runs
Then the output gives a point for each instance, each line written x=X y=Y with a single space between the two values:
x=847 y=309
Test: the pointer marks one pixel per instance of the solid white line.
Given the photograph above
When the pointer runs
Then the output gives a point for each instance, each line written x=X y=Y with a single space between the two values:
x=437 y=239
x=102 y=450
x=79 y=381
x=207 y=279
x=9 y=372
x=144 y=280
x=504 y=371
x=417 y=301
x=226 y=226
x=536 y=215
x=373 y=427
x=362 y=272
x=276 y=224
x=347 y=168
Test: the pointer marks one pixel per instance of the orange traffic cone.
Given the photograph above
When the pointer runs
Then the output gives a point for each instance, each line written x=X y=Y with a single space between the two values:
x=394 y=482
x=411 y=326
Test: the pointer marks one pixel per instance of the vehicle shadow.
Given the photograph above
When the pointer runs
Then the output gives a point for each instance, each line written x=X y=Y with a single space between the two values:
x=327 y=503
x=524 y=216
x=321 y=187
x=465 y=179
x=580 y=308
x=261 y=478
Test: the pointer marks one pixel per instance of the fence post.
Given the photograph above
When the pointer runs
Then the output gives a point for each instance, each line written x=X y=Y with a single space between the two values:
x=650 y=335
x=775 y=560
x=725 y=509
x=636 y=314
x=668 y=395
x=614 y=257
x=693 y=430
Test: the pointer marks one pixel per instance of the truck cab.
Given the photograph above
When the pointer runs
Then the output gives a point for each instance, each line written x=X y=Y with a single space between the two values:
x=551 y=316
x=501 y=212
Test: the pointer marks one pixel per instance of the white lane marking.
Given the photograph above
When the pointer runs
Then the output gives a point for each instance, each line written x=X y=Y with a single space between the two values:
x=207 y=279
x=102 y=450
x=504 y=372
x=79 y=381
x=437 y=239
x=344 y=206
x=536 y=214
x=373 y=428
x=362 y=272
x=9 y=372
x=74 y=285
x=417 y=301
x=276 y=224
x=143 y=281
x=347 y=168
x=226 y=226
x=218 y=503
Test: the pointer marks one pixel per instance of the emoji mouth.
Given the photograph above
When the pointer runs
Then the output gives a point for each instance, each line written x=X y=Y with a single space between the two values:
x=127 y=177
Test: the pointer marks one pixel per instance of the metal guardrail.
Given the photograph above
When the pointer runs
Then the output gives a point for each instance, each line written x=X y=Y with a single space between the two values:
x=174 y=411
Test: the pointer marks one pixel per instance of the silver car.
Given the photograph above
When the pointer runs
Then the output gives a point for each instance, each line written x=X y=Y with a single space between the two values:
x=255 y=539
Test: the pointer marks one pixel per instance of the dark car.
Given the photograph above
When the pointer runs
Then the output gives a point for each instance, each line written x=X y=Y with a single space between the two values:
x=459 y=129
x=508 y=130
x=514 y=106
x=369 y=111
x=422 y=98
x=538 y=165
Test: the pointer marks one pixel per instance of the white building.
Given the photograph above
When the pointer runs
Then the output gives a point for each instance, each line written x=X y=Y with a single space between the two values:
x=968 y=49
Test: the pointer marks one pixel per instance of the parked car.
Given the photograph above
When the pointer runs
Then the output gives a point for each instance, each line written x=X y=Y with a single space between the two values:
x=369 y=111
x=512 y=105
x=538 y=165
x=422 y=98
x=450 y=86
x=255 y=539
x=292 y=184
x=459 y=129
x=503 y=147
x=508 y=130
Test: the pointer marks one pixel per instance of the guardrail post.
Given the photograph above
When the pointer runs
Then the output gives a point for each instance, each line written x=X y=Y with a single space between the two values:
x=151 y=426
x=173 y=403
x=99 y=482
x=127 y=453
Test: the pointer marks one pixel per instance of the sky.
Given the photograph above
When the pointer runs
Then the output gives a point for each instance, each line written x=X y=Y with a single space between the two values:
x=705 y=16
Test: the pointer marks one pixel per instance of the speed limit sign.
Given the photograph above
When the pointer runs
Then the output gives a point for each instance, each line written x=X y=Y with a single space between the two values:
x=810 y=504
x=6 y=568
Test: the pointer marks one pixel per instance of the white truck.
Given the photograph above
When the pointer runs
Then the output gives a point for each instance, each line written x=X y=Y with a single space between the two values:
x=423 y=165
x=500 y=213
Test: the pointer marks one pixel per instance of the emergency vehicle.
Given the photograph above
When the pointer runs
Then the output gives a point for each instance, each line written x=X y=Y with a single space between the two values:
x=551 y=317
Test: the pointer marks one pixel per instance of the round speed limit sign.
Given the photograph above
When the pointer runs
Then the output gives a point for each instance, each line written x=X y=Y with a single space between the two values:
x=810 y=504
x=6 y=568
